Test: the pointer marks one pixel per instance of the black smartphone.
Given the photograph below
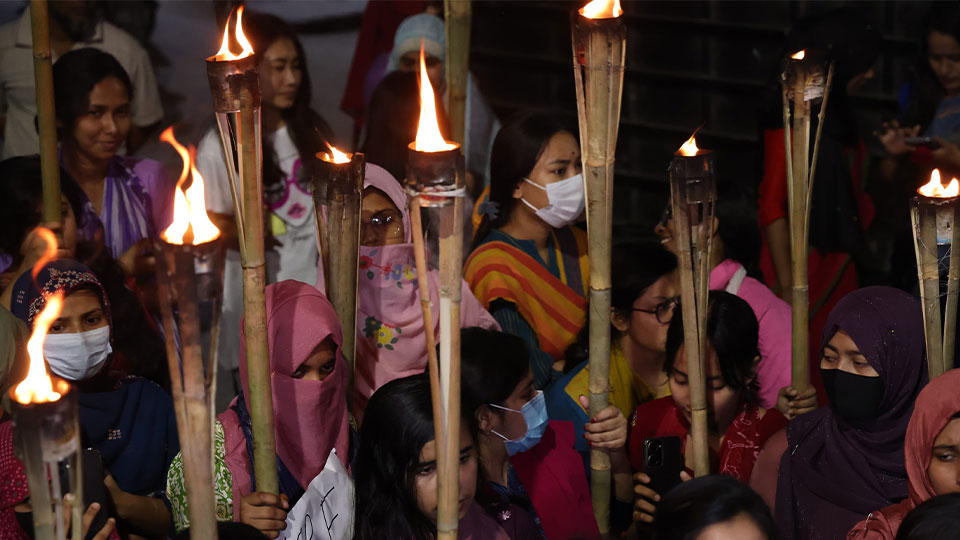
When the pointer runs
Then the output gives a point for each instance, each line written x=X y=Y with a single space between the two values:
x=928 y=142
x=662 y=462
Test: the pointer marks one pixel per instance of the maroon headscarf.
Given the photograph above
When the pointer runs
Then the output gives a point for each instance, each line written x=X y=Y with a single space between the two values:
x=833 y=473
x=310 y=417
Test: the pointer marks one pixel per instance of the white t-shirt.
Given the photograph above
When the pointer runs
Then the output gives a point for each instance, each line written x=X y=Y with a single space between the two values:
x=18 y=97
x=296 y=256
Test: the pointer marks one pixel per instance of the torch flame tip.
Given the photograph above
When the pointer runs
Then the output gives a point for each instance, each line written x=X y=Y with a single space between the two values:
x=689 y=148
x=934 y=189
x=799 y=54
x=225 y=54
x=37 y=386
x=429 y=138
x=602 y=9
x=334 y=155
x=189 y=205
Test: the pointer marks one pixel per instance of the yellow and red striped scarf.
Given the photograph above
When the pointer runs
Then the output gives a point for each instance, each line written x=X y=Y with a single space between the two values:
x=554 y=308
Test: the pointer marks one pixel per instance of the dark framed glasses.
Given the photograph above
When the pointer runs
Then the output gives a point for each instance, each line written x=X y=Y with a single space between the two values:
x=663 y=310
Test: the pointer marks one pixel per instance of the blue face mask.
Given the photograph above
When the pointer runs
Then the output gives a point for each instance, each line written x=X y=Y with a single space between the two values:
x=535 y=415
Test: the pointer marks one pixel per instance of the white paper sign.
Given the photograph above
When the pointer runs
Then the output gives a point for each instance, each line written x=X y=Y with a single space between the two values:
x=325 y=511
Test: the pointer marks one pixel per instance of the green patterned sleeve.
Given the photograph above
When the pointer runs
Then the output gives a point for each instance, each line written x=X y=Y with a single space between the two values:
x=223 y=480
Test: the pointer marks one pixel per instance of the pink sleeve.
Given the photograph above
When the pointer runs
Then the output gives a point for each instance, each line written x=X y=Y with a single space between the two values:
x=775 y=349
x=766 y=470
x=472 y=312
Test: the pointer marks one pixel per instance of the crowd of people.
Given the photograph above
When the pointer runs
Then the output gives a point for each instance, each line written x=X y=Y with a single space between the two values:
x=869 y=450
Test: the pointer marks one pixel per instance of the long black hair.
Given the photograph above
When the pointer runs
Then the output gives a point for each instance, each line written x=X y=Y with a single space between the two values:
x=309 y=131
x=942 y=17
x=691 y=507
x=635 y=268
x=738 y=228
x=934 y=519
x=516 y=149
x=21 y=195
x=734 y=333
x=397 y=423
x=492 y=364
x=74 y=76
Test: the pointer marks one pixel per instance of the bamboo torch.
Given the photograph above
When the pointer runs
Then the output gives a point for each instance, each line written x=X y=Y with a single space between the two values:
x=457 y=15
x=190 y=272
x=934 y=213
x=235 y=87
x=803 y=81
x=693 y=196
x=338 y=188
x=46 y=114
x=46 y=427
x=599 y=47
x=435 y=171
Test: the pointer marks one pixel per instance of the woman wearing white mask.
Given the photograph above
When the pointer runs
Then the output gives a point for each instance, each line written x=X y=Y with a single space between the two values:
x=129 y=420
x=531 y=461
x=529 y=264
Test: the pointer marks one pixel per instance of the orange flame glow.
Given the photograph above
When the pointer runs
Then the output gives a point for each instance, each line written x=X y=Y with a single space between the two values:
x=689 y=148
x=429 y=138
x=49 y=254
x=225 y=54
x=602 y=9
x=189 y=206
x=798 y=55
x=37 y=386
x=935 y=189
x=335 y=156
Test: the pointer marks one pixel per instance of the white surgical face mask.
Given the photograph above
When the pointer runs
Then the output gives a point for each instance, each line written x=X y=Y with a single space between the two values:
x=565 y=201
x=77 y=356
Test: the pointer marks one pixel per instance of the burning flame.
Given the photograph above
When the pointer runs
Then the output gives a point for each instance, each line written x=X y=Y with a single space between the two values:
x=798 y=55
x=37 y=386
x=935 y=189
x=689 y=148
x=602 y=9
x=335 y=156
x=224 y=53
x=49 y=254
x=189 y=207
x=429 y=138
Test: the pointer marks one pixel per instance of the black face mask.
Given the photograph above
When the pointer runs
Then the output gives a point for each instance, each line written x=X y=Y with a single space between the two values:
x=853 y=397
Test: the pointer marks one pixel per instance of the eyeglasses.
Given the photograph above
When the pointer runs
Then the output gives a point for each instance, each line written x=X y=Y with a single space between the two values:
x=663 y=310
x=381 y=226
x=408 y=63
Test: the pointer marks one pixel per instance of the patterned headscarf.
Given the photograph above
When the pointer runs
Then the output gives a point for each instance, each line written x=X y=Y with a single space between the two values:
x=61 y=275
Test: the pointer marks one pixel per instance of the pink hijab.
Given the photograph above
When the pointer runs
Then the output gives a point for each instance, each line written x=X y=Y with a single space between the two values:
x=310 y=417
x=390 y=332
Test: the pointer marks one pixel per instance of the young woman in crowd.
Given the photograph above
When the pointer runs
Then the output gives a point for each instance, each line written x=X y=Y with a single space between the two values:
x=137 y=347
x=129 y=420
x=390 y=330
x=932 y=457
x=529 y=460
x=715 y=507
x=738 y=426
x=309 y=381
x=643 y=297
x=935 y=519
x=847 y=460
x=292 y=133
x=526 y=241
x=735 y=255
x=128 y=200
x=396 y=474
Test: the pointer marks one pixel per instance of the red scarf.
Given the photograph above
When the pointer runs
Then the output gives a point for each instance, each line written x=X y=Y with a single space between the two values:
x=741 y=444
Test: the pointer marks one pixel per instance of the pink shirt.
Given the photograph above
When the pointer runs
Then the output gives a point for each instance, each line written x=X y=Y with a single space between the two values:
x=774 y=317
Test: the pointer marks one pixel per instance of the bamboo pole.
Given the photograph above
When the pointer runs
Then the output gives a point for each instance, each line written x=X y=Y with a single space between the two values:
x=260 y=400
x=797 y=196
x=451 y=269
x=339 y=189
x=46 y=113
x=599 y=47
x=953 y=287
x=924 y=221
x=692 y=195
x=423 y=284
x=192 y=390
x=457 y=16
